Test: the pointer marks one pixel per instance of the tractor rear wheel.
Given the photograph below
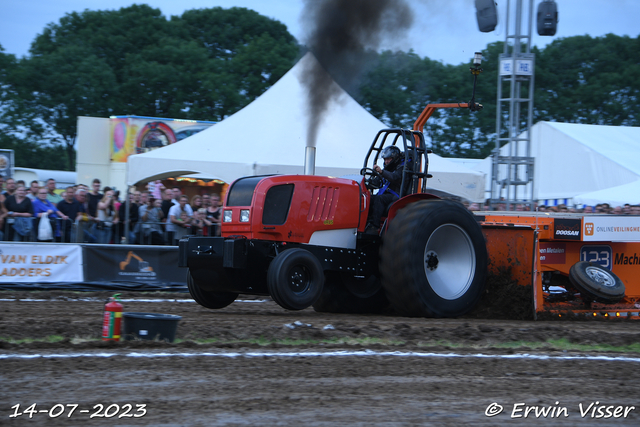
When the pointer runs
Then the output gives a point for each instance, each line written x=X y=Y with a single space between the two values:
x=208 y=299
x=295 y=279
x=342 y=295
x=433 y=260
x=596 y=283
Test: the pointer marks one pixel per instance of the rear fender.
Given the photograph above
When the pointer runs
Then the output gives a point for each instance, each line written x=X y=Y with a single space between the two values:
x=407 y=200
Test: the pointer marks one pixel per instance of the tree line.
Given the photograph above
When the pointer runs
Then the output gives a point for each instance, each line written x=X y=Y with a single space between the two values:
x=209 y=63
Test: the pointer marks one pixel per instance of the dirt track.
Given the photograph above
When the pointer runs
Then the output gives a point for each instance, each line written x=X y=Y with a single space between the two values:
x=398 y=371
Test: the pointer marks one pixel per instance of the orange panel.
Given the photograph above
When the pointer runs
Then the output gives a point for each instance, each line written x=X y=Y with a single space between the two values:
x=511 y=248
x=551 y=244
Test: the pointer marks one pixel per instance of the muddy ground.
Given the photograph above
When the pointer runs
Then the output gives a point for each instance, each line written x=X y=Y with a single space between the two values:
x=254 y=363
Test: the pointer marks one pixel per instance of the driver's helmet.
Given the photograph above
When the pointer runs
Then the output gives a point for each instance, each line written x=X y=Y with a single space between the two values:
x=392 y=152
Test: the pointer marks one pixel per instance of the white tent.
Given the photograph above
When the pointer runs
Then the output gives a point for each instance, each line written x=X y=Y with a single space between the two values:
x=615 y=196
x=572 y=159
x=269 y=137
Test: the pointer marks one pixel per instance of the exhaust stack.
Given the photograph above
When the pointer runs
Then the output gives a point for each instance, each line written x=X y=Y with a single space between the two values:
x=310 y=161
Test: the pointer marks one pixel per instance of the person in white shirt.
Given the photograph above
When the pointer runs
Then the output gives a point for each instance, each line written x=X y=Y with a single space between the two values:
x=177 y=225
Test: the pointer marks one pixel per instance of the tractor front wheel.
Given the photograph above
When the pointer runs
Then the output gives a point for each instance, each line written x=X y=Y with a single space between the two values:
x=295 y=279
x=208 y=299
x=433 y=260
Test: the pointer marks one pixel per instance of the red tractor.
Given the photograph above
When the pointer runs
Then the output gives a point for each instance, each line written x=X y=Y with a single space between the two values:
x=300 y=239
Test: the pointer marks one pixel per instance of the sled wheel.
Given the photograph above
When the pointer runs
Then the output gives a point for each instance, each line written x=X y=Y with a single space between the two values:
x=295 y=279
x=433 y=260
x=337 y=298
x=209 y=299
x=596 y=283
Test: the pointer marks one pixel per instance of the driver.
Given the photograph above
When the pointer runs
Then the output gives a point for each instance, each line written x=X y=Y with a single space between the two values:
x=390 y=191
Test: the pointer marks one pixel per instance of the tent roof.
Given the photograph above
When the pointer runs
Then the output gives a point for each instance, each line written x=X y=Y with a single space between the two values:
x=572 y=159
x=615 y=196
x=620 y=144
x=269 y=136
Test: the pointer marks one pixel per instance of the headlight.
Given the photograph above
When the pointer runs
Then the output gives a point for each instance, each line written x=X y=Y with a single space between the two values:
x=227 y=216
x=244 y=215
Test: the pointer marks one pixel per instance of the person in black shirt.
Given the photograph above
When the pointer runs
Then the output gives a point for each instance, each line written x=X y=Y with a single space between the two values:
x=19 y=223
x=213 y=210
x=390 y=191
x=74 y=210
x=133 y=219
x=94 y=198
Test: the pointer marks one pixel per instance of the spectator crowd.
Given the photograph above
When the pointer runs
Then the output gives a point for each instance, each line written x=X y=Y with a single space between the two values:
x=160 y=216
x=601 y=208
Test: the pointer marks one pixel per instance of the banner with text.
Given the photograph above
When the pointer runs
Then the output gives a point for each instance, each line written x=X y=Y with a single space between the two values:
x=35 y=263
x=115 y=263
x=610 y=228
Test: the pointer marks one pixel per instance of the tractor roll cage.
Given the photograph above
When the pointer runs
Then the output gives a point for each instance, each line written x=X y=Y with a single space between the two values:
x=416 y=161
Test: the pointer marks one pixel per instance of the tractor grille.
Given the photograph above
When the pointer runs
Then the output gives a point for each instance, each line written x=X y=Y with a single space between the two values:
x=276 y=204
x=324 y=202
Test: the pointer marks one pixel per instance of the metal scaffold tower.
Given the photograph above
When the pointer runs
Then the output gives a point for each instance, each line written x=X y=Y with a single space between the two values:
x=513 y=166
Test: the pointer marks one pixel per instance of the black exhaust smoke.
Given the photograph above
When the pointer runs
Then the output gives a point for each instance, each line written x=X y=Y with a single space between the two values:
x=339 y=34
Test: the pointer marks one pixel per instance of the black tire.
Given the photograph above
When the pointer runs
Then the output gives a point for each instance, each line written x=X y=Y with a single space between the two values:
x=433 y=260
x=208 y=299
x=596 y=283
x=295 y=279
x=336 y=297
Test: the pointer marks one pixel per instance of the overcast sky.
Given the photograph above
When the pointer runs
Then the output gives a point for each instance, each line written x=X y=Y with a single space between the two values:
x=444 y=30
